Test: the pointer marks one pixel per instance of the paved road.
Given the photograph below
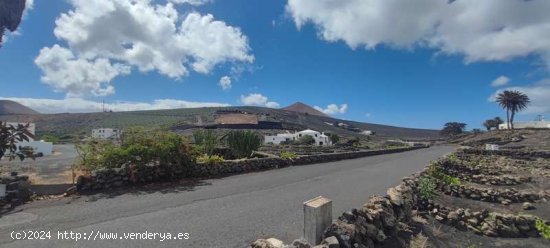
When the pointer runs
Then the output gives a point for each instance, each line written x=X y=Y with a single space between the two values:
x=227 y=212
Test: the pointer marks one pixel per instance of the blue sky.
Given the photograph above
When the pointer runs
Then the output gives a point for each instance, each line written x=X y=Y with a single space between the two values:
x=388 y=68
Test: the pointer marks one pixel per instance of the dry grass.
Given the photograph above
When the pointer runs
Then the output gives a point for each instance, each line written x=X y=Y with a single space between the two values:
x=436 y=230
x=419 y=219
x=419 y=241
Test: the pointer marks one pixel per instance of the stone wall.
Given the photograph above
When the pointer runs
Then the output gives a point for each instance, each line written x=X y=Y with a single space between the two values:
x=17 y=191
x=111 y=178
x=483 y=222
x=528 y=155
x=378 y=219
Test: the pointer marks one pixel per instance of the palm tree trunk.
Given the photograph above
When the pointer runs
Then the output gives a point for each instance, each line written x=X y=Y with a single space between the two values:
x=512 y=119
x=508 y=118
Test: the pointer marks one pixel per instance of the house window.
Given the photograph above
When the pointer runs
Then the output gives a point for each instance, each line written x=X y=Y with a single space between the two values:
x=300 y=135
x=315 y=135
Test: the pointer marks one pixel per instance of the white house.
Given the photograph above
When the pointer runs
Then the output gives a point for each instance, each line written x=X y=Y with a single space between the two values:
x=320 y=138
x=39 y=146
x=527 y=124
x=106 y=133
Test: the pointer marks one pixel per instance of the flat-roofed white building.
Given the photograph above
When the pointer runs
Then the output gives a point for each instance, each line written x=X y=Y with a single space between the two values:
x=527 y=124
x=106 y=133
x=320 y=138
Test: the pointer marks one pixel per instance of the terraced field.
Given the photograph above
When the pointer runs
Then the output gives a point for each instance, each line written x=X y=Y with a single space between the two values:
x=498 y=201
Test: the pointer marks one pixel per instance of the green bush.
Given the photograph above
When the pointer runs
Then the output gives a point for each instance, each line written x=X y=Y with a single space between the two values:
x=209 y=159
x=50 y=138
x=427 y=187
x=543 y=228
x=288 y=155
x=436 y=172
x=139 y=148
x=334 y=138
x=206 y=141
x=243 y=143
x=306 y=140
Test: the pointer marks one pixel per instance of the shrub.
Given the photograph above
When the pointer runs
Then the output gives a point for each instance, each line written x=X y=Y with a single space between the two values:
x=306 y=140
x=50 y=138
x=427 y=188
x=543 y=228
x=209 y=159
x=436 y=172
x=206 y=141
x=334 y=138
x=139 y=148
x=288 y=155
x=243 y=143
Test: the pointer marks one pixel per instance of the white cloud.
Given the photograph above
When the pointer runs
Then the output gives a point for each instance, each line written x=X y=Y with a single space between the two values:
x=29 y=5
x=490 y=30
x=76 y=76
x=256 y=99
x=539 y=94
x=78 y=105
x=190 y=2
x=225 y=82
x=333 y=109
x=148 y=36
x=500 y=81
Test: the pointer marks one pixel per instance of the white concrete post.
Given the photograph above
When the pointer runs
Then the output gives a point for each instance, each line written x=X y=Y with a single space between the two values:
x=317 y=217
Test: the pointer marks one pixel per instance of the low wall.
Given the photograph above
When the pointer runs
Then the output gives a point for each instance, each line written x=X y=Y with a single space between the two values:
x=527 y=155
x=17 y=191
x=378 y=219
x=110 y=178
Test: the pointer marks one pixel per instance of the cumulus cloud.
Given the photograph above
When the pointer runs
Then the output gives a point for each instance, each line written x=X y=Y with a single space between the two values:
x=256 y=99
x=333 y=109
x=225 y=82
x=490 y=30
x=146 y=36
x=79 y=105
x=539 y=93
x=500 y=81
x=190 y=2
x=66 y=73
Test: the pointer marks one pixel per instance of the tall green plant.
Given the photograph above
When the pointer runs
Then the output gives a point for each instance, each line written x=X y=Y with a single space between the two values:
x=206 y=141
x=513 y=101
x=243 y=143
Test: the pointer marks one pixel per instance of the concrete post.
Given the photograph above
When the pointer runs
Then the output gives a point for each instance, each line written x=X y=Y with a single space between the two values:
x=317 y=217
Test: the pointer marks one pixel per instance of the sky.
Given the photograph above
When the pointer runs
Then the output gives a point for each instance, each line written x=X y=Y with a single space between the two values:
x=418 y=63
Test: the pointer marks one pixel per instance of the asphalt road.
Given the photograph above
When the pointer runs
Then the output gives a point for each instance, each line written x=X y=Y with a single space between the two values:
x=227 y=212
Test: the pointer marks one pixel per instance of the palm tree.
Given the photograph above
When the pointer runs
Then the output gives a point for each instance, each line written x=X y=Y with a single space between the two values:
x=513 y=101
x=489 y=124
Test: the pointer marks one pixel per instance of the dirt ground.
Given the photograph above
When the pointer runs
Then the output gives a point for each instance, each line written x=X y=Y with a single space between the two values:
x=47 y=170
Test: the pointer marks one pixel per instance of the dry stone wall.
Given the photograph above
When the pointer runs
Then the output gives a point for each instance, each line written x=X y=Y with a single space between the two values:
x=112 y=178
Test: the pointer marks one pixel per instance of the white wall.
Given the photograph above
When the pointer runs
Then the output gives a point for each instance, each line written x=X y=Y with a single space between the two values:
x=320 y=139
x=527 y=124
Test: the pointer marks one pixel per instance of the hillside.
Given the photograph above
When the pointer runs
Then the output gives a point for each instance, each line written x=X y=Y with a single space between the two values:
x=82 y=123
x=303 y=108
x=512 y=139
x=13 y=108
